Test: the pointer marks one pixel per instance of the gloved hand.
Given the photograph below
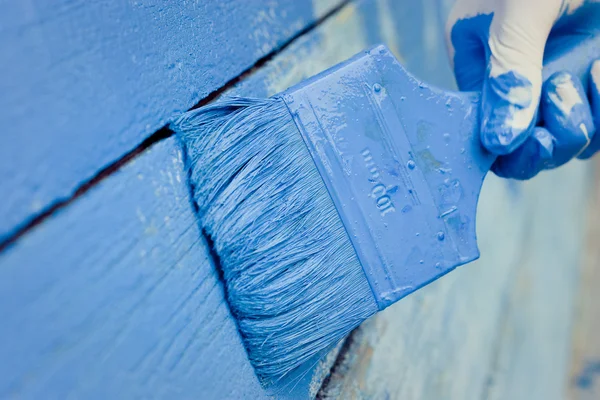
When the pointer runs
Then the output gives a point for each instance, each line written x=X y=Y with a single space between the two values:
x=497 y=46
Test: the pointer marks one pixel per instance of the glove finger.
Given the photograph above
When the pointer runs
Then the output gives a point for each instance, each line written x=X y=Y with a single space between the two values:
x=567 y=115
x=512 y=88
x=529 y=159
x=467 y=39
x=507 y=112
x=594 y=97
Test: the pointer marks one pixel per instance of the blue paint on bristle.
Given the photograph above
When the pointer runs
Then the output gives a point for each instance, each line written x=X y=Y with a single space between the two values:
x=293 y=280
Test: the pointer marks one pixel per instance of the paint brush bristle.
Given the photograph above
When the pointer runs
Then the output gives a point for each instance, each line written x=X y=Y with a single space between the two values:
x=292 y=277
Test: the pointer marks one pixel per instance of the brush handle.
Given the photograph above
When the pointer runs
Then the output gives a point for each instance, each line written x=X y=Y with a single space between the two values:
x=456 y=183
x=402 y=162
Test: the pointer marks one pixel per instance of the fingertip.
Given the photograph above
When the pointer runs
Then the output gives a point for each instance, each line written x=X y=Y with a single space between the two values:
x=508 y=109
x=567 y=114
x=535 y=155
x=564 y=101
x=501 y=140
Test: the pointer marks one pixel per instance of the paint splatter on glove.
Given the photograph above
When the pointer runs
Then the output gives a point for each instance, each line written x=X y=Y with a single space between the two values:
x=497 y=46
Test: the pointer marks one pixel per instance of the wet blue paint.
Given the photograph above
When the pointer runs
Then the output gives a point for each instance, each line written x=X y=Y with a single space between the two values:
x=470 y=37
x=499 y=107
x=83 y=83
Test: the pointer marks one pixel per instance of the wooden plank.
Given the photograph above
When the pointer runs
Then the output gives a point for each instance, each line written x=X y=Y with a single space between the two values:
x=584 y=374
x=531 y=355
x=84 y=83
x=88 y=296
x=116 y=296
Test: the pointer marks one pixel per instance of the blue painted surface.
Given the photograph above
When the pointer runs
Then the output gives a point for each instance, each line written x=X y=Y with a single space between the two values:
x=85 y=82
x=117 y=297
x=92 y=329
x=411 y=34
x=75 y=336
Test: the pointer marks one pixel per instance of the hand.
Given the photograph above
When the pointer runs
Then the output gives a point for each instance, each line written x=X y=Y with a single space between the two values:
x=497 y=46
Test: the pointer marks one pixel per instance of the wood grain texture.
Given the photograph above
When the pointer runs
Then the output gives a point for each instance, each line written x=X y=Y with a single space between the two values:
x=83 y=83
x=584 y=374
x=531 y=359
x=118 y=297
x=115 y=296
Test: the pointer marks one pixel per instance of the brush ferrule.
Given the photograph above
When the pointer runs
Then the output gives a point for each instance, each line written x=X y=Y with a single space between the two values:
x=402 y=164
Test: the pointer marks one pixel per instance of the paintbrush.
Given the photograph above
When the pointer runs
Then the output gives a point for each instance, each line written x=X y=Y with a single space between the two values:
x=335 y=199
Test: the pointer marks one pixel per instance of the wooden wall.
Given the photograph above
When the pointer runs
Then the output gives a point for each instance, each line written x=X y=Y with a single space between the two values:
x=107 y=288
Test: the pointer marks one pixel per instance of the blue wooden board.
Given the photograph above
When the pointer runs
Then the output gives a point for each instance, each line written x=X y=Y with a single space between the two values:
x=533 y=346
x=117 y=297
x=85 y=82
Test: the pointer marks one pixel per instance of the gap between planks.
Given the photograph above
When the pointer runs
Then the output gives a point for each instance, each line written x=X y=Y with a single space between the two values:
x=161 y=134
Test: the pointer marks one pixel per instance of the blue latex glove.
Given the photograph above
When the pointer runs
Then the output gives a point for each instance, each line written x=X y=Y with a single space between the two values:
x=497 y=46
